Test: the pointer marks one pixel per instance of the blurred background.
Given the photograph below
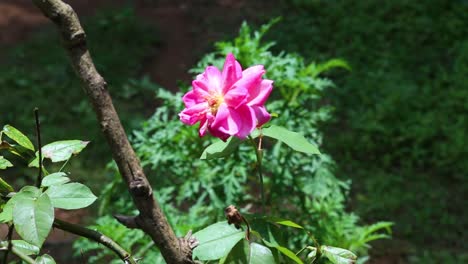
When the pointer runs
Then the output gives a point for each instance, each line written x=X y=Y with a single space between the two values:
x=393 y=119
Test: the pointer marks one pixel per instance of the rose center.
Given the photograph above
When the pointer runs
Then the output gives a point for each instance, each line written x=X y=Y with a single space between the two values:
x=214 y=102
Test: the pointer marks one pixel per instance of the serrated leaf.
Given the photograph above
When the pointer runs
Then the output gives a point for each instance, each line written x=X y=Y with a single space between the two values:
x=70 y=196
x=25 y=247
x=285 y=251
x=294 y=140
x=18 y=137
x=216 y=241
x=338 y=255
x=220 y=148
x=328 y=65
x=33 y=218
x=44 y=259
x=4 y=163
x=57 y=178
x=63 y=150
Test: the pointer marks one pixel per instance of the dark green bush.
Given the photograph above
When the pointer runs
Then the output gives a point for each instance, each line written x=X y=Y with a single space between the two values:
x=35 y=73
x=401 y=131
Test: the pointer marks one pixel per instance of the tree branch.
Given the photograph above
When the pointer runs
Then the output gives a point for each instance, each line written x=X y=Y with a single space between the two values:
x=95 y=236
x=151 y=218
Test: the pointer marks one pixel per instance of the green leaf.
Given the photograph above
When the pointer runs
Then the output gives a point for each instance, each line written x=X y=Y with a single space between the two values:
x=44 y=259
x=260 y=254
x=18 y=137
x=220 y=148
x=7 y=213
x=5 y=188
x=312 y=255
x=57 y=178
x=284 y=222
x=328 y=65
x=288 y=253
x=338 y=255
x=293 y=139
x=249 y=253
x=33 y=218
x=239 y=254
x=35 y=162
x=216 y=241
x=4 y=163
x=70 y=196
x=25 y=247
x=63 y=150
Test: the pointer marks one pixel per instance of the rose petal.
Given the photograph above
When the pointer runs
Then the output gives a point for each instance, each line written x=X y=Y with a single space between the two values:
x=236 y=96
x=192 y=115
x=208 y=82
x=261 y=115
x=191 y=98
x=232 y=72
x=247 y=121
x=226 y=120
x=260 y=95
x=251 y=79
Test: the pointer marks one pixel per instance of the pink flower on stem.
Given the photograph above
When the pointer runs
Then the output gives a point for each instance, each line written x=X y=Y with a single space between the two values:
x=228 y=103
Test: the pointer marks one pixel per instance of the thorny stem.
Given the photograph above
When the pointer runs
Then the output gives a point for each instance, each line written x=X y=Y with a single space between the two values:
x=39 y=146
x=259 y=155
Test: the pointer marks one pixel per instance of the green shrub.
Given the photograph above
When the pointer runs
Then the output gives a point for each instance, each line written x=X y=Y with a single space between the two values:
x=304 y=188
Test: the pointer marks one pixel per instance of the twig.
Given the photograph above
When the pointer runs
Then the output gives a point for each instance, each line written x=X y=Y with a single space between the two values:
x=10 y=245
x=39 y=146
x=95 y=236
x=259 y=156
x=21 y=255
x=64 y=164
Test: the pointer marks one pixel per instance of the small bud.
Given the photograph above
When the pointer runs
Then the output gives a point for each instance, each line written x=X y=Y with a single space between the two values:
x=233 y=216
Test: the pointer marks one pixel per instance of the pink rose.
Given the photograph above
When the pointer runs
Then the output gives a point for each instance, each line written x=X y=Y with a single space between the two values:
x=228 y=103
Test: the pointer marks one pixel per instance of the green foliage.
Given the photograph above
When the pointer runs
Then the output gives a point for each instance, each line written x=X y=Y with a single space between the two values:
x=63 y=150
x=133 y=240
x=45 y=259
x=216 y=241
x=338 y=255
x=31 y=210
x=403 y=108
x=36 y=74
x=33 y=215
x=70 y=196
x=193 y=192
x=294 y=140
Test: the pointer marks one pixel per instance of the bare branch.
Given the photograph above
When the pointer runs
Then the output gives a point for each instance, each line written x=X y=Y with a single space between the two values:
x=95 y=236
x=151 y=218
